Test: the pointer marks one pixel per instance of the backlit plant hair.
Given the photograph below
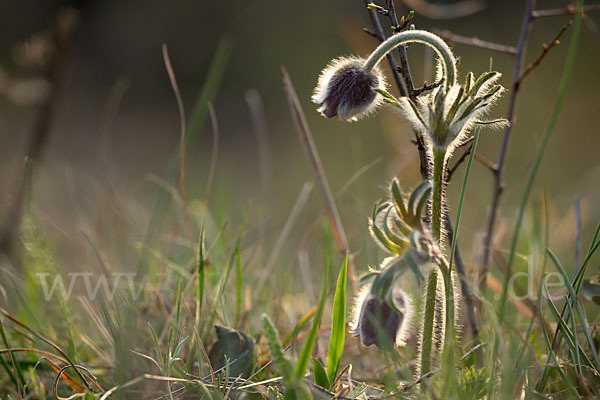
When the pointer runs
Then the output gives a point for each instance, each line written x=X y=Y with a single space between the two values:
x=350 y=88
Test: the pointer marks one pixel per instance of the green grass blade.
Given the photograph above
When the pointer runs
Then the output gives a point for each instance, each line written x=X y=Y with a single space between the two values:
x=462 y=195
x=320 y=375
x=562 y=90
x=238 y=289
x=577 y=285
x=551 y=354
x=309 y=344
x=573 y=299
x=200 y=281
x=14 y=362
x=338 y=325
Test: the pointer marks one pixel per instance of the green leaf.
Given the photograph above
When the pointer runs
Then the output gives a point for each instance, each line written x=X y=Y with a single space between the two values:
x=309 y=344
x=482 y=80
x=338 y=324
x=414 y=200
x=398 y=200
x=398 y=240
x=320 y=375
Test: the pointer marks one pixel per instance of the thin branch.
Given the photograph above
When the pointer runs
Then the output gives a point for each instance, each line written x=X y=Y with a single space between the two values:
x=457 y=163
x=475 y=41
x=486 y=163
x=378 y=33
x=545 y=49
x=468 y=295
x=568 y=10
x=404 y=68
x=426 y=87
x=498 y=187
x=481 y=159
x=315 y=163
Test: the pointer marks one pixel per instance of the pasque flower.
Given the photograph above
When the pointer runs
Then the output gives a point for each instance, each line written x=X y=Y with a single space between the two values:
x=376 y=318
x=347 y=91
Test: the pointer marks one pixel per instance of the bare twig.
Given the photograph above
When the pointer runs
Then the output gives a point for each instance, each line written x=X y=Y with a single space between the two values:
x=315 y=163
x=401 y=72
x=474 y=349
x=64 y=31
x=457 y=163
x=416 y=92
x=545 y=49
x=475 y=41
x=497 y=185
x=378 y=33
x=468 y=295
x=404 y=68
x=181 y=110
x=481 y=159
x=568 y=10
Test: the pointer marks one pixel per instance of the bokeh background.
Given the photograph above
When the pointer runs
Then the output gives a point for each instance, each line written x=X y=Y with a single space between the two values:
x=116 y=124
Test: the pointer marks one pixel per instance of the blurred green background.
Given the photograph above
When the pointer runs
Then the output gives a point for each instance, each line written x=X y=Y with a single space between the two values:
x=98 y=162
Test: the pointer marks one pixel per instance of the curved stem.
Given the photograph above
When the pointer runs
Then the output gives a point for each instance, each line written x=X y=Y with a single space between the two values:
x=417 y=36
x=437 y=194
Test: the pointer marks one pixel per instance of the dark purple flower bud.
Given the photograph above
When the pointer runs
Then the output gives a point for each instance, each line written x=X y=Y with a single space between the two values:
x=375 y=317
x=347 y=91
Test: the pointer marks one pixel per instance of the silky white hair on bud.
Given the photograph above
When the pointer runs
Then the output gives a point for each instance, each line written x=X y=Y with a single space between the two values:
x=347 y=91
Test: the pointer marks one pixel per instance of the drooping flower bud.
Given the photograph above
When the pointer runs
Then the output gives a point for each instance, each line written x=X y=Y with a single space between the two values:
x=348 y=91
x=376 y=319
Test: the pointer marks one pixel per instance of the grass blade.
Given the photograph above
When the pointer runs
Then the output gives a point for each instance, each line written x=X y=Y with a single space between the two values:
x=462 y=195
x=238 y=289
x=562 y=90
x=575 y=302
x=338 y=325
x=551 y=354
x=320 y=375
x=309 y=344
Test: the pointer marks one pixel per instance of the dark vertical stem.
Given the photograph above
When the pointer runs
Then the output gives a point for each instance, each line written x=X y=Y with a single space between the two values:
x=381 y=37
x=498 y=170
x=64 y=30
x=468 y=295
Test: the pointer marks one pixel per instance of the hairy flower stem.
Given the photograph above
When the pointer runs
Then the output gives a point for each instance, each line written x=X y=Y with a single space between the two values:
x=437 y=216
x=449 y=341
x=437 y=194
x=428 y=318
x=417 y=36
